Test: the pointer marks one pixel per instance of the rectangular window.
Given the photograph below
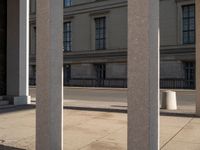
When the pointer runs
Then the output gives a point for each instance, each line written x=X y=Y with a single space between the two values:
x=67 y=3
x=100 y=28
x=190 y=74
x=67 y=36
x=100 y=74
x=188 y=12
x=32 y=75
x=67 y=74
x=100 y=71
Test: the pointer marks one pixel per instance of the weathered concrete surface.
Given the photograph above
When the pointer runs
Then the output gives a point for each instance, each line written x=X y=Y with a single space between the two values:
x=143 y=74
x=91 y=130
x=49 y=110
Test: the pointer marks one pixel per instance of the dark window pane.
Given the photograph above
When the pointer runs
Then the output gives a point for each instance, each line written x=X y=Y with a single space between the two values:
x=100 y=34
x=67 y=3
x=185 y=37
x=192 y=24
x=67 y=36
x=185 y=24
x=185 y=11
x=188 y=12
x=191 y=11
x=192 y=37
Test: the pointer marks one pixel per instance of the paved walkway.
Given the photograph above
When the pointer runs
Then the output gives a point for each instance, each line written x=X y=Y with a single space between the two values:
x=94 y=130
x=116 y=99
x=96 y=119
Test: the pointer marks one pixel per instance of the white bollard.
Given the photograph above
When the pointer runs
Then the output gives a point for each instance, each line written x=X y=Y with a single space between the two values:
x=169 y=100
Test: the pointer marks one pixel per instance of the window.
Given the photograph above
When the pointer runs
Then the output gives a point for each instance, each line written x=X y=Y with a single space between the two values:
x=100 y=74
x=32 y=75
x=100 y=25
x=67 y=37
x=188 y=12
x=67 y=3
x=190 y=74
x=67 y=74
x=100 y=71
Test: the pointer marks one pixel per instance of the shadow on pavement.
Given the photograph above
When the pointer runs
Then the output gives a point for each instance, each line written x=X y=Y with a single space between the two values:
x=95 y=109
x=15 y=109
x=3 y=147
x=176 y=114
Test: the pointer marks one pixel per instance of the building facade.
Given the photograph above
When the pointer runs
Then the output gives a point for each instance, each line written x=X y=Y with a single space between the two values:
x=95 y=43
x=177 y=29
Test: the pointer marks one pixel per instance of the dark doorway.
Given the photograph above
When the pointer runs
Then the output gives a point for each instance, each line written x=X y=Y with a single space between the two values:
x=3 y=20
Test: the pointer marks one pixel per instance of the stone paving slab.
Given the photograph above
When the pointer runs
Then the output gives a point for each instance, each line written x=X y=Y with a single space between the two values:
x=95 y=130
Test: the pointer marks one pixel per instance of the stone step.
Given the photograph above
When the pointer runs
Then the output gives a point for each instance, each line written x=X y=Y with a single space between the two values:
x=4 y=102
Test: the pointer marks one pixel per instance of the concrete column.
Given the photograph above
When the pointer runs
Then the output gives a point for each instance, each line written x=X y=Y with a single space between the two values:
x=49 y=63
x=197 y=4
x=143 y=75
x=18 y=51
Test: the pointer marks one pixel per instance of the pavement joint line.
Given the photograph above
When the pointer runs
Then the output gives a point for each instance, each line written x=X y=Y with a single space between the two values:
x=111 y=110
x=109 y=133
x=176 y=133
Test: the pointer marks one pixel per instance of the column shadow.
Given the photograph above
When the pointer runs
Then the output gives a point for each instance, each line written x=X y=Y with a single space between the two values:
x=4 y=147
x=16 y=108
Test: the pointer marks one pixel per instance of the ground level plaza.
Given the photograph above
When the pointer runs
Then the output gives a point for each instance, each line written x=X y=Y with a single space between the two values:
x=99 y=122
x=94 y=130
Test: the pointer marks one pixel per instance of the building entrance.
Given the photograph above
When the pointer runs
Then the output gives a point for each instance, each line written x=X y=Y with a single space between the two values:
x=3 y=13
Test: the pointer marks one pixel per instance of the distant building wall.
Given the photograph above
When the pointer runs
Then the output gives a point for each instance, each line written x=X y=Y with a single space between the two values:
x=83 y=56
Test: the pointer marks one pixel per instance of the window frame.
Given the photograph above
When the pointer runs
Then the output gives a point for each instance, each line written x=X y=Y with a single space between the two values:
x=67 y=3
x=190 y=73
x=67 y=36
x=100 y=33
x=188 y=19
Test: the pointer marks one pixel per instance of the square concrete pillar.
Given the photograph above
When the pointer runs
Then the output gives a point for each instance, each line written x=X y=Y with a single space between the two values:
x=197 y=4
x=18 y=51
x=143 y=75
x=49 y=62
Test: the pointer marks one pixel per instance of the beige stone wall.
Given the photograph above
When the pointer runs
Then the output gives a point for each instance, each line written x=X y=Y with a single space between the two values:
x=168 y=22
x=116 y=70
x=113 y=70
x=82 y=14
x=83 y=29
x=81 y=32
x=82 y=71
x=83 y=22
x=78 y=2
x=171 y=21
x=118 y=28
x=171 y=69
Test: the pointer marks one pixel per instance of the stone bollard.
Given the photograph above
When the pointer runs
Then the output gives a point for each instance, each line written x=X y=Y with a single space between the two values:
x=169 y=100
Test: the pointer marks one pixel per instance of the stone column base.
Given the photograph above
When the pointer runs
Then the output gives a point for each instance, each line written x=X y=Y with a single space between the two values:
x=16 y=100
x=21 y=100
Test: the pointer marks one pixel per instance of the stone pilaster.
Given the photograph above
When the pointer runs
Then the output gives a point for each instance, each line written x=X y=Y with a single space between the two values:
x=49 y=62
x=143 y=75
x=18 y=51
